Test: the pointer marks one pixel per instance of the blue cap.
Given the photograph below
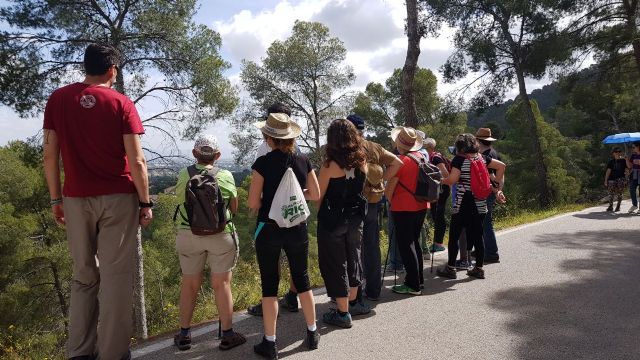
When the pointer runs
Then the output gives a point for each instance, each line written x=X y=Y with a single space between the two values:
x=357 y=121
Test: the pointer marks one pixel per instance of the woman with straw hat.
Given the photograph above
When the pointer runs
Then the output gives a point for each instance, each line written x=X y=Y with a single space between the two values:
x=408 y=213
x=279 y=133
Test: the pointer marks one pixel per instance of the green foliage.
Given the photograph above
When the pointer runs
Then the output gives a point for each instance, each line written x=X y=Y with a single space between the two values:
x=45 y=47
x=306 y=72
x=561 y=155
x=381 y=106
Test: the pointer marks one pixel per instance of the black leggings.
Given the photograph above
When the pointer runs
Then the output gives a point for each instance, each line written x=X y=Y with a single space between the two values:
x=471 y=221
x=407 y=228
x=437 y=215
x=270 y=242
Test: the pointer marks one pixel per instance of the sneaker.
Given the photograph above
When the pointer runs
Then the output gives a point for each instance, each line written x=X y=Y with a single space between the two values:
x=231 y=341
x=182 y=342
x=313 y=339
x=289 y=302
x=334 y=318
x=632 y=209
x=437 y=248
x=267 y=349
x=447 y=271
x=462 y=265
x=476 y=272
x=492 y=259
x=610 y=208
x=255 y=310
x=359 y=308
x=405 y=290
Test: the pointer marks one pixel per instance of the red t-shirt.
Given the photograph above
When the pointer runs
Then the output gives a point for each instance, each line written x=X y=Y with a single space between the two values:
x=407 y=175
x=89 y=122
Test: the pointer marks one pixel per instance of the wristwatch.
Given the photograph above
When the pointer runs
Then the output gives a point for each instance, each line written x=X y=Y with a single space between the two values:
x=145 y=205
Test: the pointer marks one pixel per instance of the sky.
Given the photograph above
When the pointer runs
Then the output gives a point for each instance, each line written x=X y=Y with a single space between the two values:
x=372 y=31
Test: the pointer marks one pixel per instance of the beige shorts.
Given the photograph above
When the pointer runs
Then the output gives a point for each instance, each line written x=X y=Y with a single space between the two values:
x=220 y=251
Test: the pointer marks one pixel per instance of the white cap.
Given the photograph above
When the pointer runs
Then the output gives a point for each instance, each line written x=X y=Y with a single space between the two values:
x=207 y=145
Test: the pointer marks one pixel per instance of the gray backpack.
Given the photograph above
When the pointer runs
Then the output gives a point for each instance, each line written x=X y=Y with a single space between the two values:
x=205 y=207
x=427 y=182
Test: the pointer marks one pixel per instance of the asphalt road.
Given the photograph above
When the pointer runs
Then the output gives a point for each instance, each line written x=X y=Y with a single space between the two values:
x=567 y=288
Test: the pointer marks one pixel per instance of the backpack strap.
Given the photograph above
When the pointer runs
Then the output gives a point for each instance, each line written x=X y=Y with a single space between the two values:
x=192 y=170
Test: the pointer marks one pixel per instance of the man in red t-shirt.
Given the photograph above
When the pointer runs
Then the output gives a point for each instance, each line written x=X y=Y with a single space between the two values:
x=96 y=130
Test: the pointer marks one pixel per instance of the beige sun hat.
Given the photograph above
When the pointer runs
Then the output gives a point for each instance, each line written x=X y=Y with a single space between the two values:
x=279 y=126
x=406 y=138
x=484 y=134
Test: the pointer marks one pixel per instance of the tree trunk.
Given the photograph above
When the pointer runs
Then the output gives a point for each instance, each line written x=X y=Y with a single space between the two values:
x=139 y=309
x=410 y=65
x=544 y=190
x=631 y=12
x=60 y=293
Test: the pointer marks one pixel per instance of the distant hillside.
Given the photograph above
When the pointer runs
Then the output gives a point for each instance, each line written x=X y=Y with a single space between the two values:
x=547 y=97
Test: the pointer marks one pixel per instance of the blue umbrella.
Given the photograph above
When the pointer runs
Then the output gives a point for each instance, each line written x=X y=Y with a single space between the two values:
x=622 y=138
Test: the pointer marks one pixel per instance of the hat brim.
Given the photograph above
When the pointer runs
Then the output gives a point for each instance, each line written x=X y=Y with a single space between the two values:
x=489 y=138
x=417 y=146
x=294 y=130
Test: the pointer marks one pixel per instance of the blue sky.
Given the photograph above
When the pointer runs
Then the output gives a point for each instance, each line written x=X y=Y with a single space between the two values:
x=372 y=31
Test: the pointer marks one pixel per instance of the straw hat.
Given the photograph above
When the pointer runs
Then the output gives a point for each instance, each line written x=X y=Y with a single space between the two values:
x=406 y=138
x=279 y=126
x=484 y=134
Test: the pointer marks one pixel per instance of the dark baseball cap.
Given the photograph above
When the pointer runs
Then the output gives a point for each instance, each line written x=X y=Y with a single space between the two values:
x=357 y=121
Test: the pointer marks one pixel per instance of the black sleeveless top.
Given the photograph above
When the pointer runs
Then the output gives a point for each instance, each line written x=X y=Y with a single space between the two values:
x=343 y=200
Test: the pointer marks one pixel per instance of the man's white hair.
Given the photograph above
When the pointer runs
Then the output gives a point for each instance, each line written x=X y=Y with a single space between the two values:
x=430 y=143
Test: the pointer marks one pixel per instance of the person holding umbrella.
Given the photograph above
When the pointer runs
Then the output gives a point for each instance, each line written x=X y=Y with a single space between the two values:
x=633 y=162
x=614 y=178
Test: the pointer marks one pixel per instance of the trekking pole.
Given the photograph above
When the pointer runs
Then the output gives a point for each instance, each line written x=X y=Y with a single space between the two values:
x=219 y=329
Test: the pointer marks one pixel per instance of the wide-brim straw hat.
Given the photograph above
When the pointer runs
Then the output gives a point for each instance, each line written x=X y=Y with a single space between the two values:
x=279 y=126
x=406 y=138
x=484 y=134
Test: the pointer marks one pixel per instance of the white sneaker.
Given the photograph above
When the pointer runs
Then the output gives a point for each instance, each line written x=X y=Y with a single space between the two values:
x=632 y=209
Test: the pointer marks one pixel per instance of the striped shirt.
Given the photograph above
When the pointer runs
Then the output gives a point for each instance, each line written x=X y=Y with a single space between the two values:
x=464 y=182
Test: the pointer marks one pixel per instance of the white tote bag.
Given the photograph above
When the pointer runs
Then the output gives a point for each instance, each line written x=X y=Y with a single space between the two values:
x=289 y=207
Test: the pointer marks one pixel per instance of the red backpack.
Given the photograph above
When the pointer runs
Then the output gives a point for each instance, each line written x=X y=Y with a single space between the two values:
x=480 y=181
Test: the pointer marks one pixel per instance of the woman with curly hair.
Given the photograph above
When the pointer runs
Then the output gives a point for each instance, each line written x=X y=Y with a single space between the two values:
x=340 y=220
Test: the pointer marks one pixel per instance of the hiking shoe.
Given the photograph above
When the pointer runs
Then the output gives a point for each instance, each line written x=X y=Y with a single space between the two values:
x=255 y=310
x=267 y=349
x=463 y=265
x=476 y=272
x=437 y=248
x=312 y=340
x=610 y=208
x=359 y=308
x=447 y=271
x=334 y=318
x=632 y=209
x=405 y=290
x=492 y=259
x=231 y=341
x=182 y=342
x=289 y=302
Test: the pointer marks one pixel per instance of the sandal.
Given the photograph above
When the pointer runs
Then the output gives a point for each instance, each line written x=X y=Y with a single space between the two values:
x=229 y=342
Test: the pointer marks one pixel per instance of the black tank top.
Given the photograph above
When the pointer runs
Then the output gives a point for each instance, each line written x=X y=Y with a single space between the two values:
x=344 y=197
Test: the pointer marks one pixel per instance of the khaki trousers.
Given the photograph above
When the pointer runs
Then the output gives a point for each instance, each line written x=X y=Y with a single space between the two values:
x=104 y=227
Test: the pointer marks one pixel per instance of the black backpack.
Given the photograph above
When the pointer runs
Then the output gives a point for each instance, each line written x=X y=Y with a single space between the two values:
x=205 y=207
x=428 y=180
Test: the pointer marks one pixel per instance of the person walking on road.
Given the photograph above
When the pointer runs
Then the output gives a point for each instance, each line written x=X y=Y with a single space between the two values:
x=615 y=178
x=382 y=166
x=218 y=250
x=104 y=199
x=270 y=239
x=633 y=163
x=485 y=140
x=468 y=210
x=408 y=213
x=342 y=210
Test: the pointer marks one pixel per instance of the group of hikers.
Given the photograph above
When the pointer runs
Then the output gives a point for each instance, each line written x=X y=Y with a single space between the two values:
x=623 y=173
x=96 y=131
